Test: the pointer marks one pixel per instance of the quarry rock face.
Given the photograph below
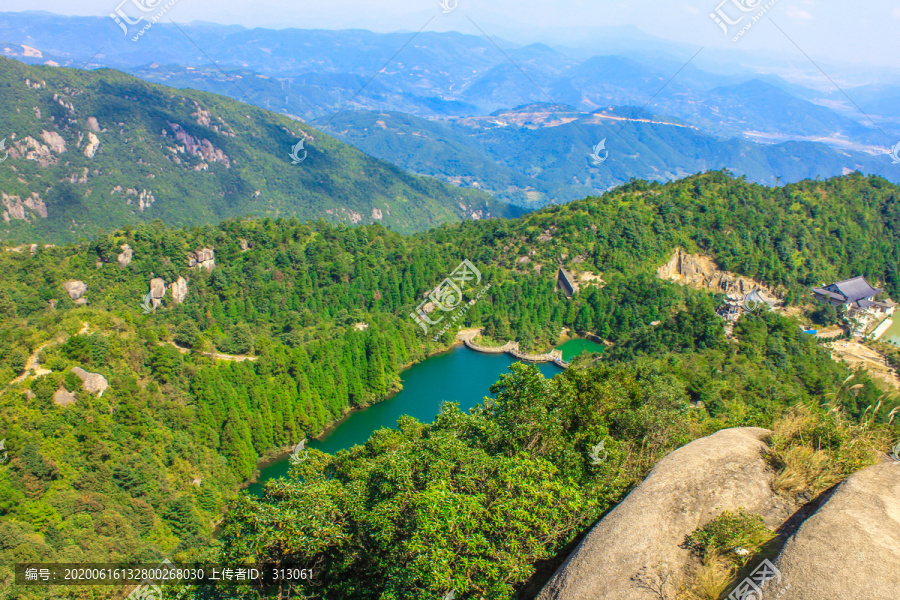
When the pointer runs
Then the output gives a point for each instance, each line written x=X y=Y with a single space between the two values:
x=703 y=272
x=638 y=546
x=94 y=383
x=179 y=289
x=75 y=289
x=205 y=258
x=848 y=548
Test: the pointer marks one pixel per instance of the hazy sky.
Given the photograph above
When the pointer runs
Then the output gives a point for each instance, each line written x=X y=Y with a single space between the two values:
x=836 y=30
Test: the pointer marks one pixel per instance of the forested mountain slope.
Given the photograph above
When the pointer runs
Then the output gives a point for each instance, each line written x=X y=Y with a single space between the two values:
x=146 y=469
x=91 y=150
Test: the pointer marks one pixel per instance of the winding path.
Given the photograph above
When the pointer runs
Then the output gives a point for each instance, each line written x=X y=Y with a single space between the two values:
x=32 y=364
x=214 y=355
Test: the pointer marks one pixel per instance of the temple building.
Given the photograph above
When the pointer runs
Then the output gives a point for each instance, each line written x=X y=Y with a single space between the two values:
x=856 y=296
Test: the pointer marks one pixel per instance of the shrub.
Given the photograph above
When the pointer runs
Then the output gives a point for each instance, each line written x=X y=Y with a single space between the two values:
x=186 y=335
x=736 y=536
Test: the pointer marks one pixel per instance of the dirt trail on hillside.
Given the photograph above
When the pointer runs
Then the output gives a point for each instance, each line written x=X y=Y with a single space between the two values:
x=215 y=355
x=32 y=362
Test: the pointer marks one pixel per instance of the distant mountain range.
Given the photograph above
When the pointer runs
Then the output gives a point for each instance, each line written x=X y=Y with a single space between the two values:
x=84 y=150
x=519 y=123
x=540 y=153
x=312 y=73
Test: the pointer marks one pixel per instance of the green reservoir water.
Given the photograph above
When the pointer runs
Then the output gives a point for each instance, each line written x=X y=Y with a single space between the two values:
x=892 y=335
x=574 y=347
x=460 y=375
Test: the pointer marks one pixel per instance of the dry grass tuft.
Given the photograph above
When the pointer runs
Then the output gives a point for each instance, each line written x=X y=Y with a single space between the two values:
x=710 y=579
x=812 y=451
x=805 y=471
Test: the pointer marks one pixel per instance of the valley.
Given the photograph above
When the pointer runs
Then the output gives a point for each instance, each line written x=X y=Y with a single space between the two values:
x=449 y=300
x=540 y=154
x=292 y=296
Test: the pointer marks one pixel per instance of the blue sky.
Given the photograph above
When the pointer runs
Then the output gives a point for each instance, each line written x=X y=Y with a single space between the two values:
x=828 y=30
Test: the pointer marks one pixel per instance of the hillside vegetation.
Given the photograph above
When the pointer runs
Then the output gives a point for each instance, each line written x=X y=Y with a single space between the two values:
x=98 y=150
x=479 y=503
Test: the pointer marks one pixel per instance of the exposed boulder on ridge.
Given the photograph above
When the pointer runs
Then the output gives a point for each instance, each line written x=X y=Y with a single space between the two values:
x=204 y=258
x=638 y=547
x=124 y=258
x=93 y=383
x=75 y=289
x=850 y=547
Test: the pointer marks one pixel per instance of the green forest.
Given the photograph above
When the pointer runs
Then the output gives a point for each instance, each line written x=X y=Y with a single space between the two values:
x=484 y=503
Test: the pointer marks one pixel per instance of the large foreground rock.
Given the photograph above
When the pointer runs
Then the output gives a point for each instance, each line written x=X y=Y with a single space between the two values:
x=850 y=547
x=638 y=545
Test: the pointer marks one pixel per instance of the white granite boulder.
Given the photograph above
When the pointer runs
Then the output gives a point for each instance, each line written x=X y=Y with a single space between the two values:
x=75 y=289
x=93 y=383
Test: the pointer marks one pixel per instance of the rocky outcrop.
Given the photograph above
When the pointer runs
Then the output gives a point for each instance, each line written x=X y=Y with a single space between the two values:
x=15 y=207
x=93 y=383
x=179 y=289
x=157 y=291
x=703 y=272
x=145 y=200
x=75 y=289
x=850 y=547
x=62 y=397
x=205 y=258
x=201 y=148
x=31 y=149
x=125 y=256
x=93 y=143
x=54 y=141
x=638 y=546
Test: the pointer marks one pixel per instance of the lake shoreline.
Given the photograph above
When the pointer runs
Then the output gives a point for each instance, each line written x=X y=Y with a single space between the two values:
x=284 y=452
x=280 y=456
